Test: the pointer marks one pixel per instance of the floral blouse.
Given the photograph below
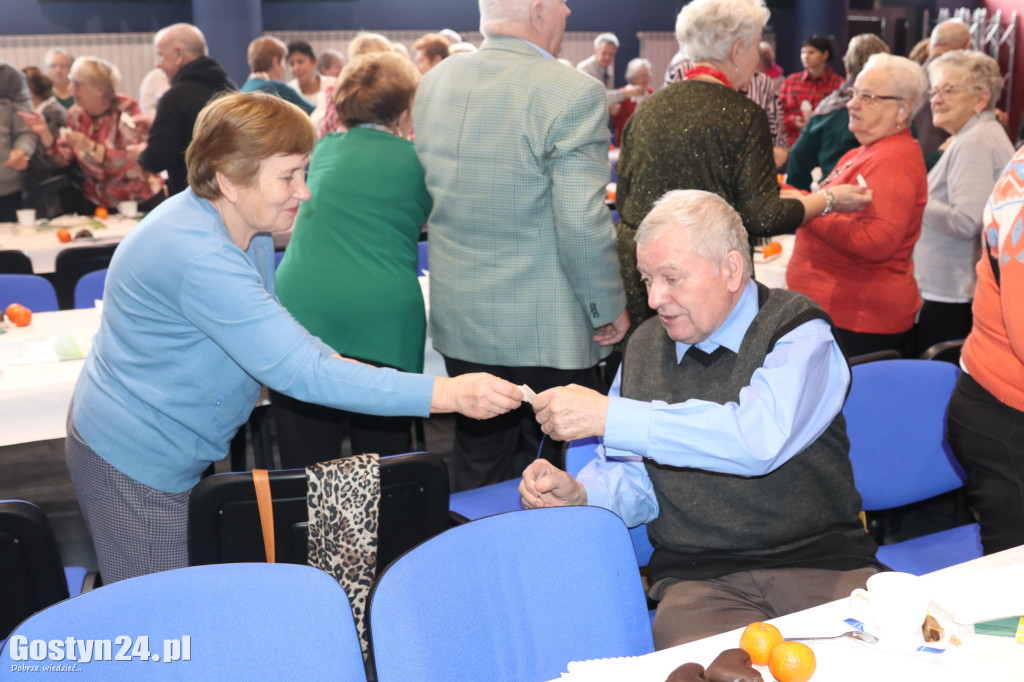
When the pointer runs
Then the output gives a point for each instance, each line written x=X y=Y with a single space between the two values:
x=110 y=176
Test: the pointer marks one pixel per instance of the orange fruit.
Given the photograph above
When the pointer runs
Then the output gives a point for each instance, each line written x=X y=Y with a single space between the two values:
x=770 y=249
x=792 y=662
x=19 y=314
x=758 y=640
x=63 y=235
x=101 y=212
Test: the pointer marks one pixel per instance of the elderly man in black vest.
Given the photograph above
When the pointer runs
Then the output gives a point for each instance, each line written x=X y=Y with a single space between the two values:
x=722 y=432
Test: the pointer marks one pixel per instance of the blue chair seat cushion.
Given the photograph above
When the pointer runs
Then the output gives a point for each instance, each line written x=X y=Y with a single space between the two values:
x=932 y=552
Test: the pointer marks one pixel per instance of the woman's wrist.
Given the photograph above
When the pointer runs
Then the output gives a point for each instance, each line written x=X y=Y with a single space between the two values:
x=830 y=201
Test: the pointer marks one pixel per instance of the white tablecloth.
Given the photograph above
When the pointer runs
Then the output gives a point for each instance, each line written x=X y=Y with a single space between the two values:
x=34 y=398
x=42 y=246
x=772 y=273
x=980 y=657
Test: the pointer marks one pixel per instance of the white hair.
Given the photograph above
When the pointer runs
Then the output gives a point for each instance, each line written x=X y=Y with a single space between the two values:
x=57 y=50
x=905 y=74
x=98 y=73
x=501 y=11
x=634 y=66
x=707 y=29
x=609 y=38
x=189 y=37
x=977 y=68
x=712 y=227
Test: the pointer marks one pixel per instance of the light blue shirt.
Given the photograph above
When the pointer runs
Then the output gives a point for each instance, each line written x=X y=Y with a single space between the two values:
x=789 y=403
x=191 y=329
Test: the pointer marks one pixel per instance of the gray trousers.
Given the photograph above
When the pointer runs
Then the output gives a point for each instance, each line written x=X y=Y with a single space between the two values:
x=135 y=529
x=693 y=609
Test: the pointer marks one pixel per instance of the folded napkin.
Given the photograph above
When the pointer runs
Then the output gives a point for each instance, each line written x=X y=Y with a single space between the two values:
x=973 y=598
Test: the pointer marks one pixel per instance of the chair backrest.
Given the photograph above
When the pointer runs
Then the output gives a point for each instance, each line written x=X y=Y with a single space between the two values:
x=224 y=520
x=896 y=421
x=90 y=288
x=947 y=351
x=510 y=597
x=32 y=291
x=242 y=621
x=578 y=455
x=31 y=572
x=15 y=262
x=887 y=354
x=72 y=263
x=422 y=264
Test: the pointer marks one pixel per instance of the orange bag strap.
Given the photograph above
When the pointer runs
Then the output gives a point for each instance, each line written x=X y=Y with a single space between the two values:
x=261 y=481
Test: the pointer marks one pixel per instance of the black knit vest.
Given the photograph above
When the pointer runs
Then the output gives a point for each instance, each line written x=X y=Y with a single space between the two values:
x=802 y=514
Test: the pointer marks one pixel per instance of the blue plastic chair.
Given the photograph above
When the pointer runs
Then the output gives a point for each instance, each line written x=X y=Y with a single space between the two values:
x=422 y=264
x=896 y=421
x=32 y=291
x=90 y=288
x=243 y=621
x=510 y=597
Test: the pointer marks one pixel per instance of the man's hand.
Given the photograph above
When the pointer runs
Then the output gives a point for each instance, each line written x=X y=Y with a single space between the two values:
x=569 y=412
x=480 y=396
x=545 y=485
x=17 y=160
x=633 y=90
x=610 y=334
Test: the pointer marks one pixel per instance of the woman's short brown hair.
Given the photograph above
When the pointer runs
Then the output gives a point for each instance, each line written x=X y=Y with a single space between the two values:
x=375 y=88
x=262 y=52
x=433 y=45
x=235 y=132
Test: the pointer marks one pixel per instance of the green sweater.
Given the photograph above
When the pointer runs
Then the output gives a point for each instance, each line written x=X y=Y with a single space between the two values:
x=349 y=272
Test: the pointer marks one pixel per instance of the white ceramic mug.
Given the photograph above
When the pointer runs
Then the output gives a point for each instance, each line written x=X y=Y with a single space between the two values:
x=894 y=603
x=26 y=216
x=127 y=208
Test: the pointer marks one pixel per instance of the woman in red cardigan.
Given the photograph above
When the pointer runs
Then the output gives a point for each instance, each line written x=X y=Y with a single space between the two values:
x=858 y=266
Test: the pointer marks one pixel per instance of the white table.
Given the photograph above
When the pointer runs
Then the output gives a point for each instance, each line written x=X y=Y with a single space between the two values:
x=41 y=245
x=980 y=657
x=772 y=273
x=34 y=398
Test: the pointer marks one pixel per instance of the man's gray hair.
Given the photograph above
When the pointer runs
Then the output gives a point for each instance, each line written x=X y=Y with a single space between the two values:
x=500 y=11
x=977 y=68
x=905 y=74
x=330 y=58
x=710 y=224
x=707 y=29
x=603 y=38
x=634 y=66
x=952 y=34
x=57 y=50
x=189 y=37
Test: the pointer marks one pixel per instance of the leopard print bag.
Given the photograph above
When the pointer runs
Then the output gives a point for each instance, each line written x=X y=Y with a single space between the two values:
x=343 y=498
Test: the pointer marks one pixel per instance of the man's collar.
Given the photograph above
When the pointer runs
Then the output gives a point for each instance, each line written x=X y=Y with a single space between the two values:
x=824 y=74
x=730 y=334
x=544 y=53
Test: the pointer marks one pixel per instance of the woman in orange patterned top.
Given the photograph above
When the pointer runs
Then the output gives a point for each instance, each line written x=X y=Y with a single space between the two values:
x=100 y=128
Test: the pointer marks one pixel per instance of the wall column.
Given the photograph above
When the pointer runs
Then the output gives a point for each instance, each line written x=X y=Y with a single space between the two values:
x=822 y=18
x=229 y=27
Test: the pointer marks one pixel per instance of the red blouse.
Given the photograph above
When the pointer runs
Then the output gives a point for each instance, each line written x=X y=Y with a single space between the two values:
x=859 y=266
x=110 y=176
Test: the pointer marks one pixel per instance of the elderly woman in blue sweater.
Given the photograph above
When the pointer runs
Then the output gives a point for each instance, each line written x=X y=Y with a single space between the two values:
x=191 y=329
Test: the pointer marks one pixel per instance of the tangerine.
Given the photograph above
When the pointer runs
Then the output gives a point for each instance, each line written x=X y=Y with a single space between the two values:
x=792 y=662
x=101 y=212
x=758 y=639
x=63 y=235
x=19 y=314
x=771 y=249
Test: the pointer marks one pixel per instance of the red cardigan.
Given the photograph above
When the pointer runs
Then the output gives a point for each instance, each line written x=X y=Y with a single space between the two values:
x=858 y=266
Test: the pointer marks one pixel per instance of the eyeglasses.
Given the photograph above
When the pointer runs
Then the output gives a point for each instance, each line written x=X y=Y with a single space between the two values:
x=947 y=91
x=871 y=99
